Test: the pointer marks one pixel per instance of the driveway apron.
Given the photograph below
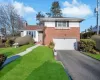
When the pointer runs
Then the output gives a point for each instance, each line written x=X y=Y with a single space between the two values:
x=79 y=66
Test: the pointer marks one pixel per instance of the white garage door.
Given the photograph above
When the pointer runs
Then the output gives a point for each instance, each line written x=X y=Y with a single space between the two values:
x=65 y=44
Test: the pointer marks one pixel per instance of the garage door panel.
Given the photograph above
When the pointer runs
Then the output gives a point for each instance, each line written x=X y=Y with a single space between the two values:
x=65 y=44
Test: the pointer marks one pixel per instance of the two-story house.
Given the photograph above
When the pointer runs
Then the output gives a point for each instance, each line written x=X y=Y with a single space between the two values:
x=64 y=32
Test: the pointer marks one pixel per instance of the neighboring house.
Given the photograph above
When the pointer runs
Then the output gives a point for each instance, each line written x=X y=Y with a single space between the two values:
x=64 y=32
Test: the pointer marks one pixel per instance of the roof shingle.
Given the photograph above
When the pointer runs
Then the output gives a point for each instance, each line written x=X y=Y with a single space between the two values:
x=33 y=27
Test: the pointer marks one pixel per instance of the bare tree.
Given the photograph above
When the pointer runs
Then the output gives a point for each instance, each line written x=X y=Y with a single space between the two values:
x=9 y=19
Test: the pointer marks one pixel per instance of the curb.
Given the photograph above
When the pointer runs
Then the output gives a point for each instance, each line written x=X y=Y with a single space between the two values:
x=89 y=56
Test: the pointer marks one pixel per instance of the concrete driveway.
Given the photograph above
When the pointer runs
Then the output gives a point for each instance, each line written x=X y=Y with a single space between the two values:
x=79 y=66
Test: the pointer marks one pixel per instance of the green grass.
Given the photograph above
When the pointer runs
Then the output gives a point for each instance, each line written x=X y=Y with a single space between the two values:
x=96 y=56
x=12 y=51
x=37 y=65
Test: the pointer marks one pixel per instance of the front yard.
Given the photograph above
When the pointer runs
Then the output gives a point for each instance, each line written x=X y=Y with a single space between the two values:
x=12 y=51
x=37 y=65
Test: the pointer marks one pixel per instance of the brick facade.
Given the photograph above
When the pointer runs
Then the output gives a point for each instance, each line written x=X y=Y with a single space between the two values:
x=50 y=33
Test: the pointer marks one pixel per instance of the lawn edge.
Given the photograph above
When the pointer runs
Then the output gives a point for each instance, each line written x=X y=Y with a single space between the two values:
x=69 y=76
x=89 y=56
x=66 y=71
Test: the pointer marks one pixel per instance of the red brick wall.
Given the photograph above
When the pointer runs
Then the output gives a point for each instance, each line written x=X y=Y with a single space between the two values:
x=50 y=33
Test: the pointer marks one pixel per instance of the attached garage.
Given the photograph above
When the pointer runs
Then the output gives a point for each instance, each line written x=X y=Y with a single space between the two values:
x=65 y=44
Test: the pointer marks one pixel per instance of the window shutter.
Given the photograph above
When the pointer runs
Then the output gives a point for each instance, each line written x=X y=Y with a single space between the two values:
x=67 y=23
x=56 y=24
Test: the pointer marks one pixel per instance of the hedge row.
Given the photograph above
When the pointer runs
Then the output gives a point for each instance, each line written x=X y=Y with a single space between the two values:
x=96 y=38
x=87 y=45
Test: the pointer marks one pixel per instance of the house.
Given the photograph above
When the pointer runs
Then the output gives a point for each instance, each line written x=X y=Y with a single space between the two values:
x=64 y=32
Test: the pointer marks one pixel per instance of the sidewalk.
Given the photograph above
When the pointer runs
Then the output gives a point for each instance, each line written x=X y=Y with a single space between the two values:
x=28 y=50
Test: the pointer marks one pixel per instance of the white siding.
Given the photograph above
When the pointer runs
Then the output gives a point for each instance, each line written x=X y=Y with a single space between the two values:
x=49 y=24
x=74 y=24
x=36 y=39
x=24 y=33
x=71 y=24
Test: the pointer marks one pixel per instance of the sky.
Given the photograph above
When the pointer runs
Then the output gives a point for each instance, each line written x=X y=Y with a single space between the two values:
x=70 y=8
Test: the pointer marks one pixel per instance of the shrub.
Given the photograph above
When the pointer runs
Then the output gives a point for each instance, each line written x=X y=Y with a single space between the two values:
x=4 y=40
x=94 y=52
x=0 y=41
x=2 y=59
x=87 y=45
x=9 y=43
x=24 y=40
x=96 y=38
x=51 y=45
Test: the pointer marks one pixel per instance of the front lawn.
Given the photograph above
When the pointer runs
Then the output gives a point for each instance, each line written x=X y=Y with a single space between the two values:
x=37 y=65
x=12 y=51
x=96 y=56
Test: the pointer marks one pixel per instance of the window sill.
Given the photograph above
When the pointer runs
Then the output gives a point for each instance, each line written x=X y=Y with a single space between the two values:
x=62 y=27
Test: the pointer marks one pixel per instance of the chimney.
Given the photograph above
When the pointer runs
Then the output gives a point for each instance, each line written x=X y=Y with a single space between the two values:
x=25 y=24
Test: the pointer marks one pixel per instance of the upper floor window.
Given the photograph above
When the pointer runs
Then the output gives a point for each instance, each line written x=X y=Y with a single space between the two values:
x=62 y=24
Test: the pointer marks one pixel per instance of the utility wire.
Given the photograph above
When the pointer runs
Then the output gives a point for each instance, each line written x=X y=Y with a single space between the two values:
x=89 y=17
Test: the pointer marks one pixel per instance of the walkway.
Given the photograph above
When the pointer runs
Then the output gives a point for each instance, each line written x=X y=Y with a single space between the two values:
x=13 y=58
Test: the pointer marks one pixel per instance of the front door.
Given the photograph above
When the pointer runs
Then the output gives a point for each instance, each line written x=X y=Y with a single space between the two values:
x=40 y=36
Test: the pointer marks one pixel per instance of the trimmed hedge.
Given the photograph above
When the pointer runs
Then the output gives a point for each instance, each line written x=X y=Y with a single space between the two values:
x=96 y=38
x=87 y=45
x=24 y=40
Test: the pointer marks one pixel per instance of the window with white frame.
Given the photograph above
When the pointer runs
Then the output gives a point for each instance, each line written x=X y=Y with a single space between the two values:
x=62 y=24
x=32 y=33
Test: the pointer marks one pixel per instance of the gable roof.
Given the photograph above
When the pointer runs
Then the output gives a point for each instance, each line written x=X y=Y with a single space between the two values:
x=33 y=27
x=61 y=19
